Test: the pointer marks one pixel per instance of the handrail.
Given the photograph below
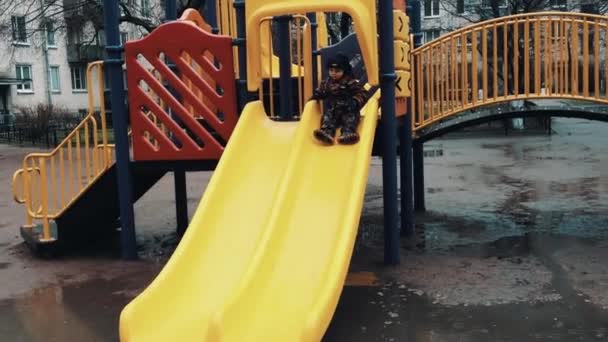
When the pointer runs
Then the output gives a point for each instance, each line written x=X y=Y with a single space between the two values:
x=542 y=55
x=64 y=173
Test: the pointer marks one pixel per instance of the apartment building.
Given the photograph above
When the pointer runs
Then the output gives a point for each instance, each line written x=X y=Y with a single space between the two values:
x=45 y=47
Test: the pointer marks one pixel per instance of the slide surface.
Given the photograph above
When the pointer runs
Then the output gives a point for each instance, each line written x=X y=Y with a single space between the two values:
x=268 y=249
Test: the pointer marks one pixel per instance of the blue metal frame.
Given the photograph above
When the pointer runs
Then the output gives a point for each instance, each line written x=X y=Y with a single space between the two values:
x=389 y=133
x=211 y=16
x=120 y=121
x=179 y=174
x=285 y=90
x=243 y=96
x=315 y=46
x=405 y=148
x=412 y=156
x=419 y=202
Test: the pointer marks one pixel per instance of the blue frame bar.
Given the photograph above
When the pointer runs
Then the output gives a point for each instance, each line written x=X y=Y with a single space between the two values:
x=113 y=64
x=405 y=160
x=179 y=174
x=211 y=16
x=285 y=92
x=315 y=47
x=389 y=132
x=419 y=201
x=243 y=96
x=418 y=148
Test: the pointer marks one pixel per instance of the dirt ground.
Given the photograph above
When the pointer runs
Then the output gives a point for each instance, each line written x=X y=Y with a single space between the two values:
x=511 y=249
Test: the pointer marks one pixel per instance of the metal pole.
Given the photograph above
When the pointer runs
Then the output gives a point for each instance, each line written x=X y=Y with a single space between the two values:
x=239 y=6
x=170 y=10
x=419 y=204
x=211 y=16
x=405 y=159
x=285 y=99
x=413 y=9
x=181 y=200
x=389 y=133
x=315 y=47
x=179 y=174
x=120 y=121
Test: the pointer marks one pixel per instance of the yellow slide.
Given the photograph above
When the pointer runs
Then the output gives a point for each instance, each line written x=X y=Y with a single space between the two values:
x=267 y=251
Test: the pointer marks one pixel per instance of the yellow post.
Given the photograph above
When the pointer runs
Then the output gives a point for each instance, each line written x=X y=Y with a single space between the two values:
x=44 y=201
x=484 y=65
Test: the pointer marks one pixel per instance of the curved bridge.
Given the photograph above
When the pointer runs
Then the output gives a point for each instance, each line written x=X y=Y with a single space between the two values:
x=532 y=57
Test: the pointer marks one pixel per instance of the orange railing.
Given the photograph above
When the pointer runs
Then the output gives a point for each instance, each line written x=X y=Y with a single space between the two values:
x=545 y=55
x=48 y=183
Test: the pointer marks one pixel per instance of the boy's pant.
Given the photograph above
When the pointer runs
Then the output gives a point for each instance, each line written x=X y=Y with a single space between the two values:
x=336 y=117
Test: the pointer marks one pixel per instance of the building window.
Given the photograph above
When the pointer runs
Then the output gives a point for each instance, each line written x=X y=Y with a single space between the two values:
x=559 y=4
x=431 y=8
x=124 y=36
x=54 y=79
x=431 y=35
x=79 y=80
x=19 y=31
x=24 y=73
x=50 y=35
x=145 y=8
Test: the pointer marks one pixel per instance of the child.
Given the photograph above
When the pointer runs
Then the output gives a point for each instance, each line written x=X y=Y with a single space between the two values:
x=345 y=97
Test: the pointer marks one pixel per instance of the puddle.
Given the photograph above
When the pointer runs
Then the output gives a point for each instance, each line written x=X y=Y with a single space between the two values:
x=402 y=315
x=86 y=311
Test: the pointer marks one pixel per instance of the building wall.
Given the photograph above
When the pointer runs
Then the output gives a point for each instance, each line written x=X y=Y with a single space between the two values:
x=12 y=54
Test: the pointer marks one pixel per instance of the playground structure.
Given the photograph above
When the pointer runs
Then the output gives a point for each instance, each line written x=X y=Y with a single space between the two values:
x=192 y=89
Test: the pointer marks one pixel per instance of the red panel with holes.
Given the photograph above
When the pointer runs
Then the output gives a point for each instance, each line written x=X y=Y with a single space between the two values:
x=182 y=93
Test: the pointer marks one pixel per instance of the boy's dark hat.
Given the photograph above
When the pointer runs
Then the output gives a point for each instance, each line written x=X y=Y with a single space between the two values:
x=340 y=61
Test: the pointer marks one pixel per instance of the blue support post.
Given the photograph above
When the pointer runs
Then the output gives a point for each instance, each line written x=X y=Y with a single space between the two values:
x=414 y=12
x=315 y=46
x=285 y=92
x=113 y=65
x=179 y=174
x=419 y=204
x=239 y=6
x=389 y=133
x=211 y=16
x=170 y=10
x=406 y=172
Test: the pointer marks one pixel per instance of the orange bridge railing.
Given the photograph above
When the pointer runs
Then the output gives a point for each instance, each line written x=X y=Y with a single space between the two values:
x=545 y=55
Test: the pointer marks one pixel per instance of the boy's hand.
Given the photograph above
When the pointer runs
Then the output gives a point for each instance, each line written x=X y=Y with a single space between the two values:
x=317 y=95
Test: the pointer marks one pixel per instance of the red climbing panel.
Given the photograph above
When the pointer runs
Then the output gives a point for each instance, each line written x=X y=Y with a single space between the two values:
x=185 y=112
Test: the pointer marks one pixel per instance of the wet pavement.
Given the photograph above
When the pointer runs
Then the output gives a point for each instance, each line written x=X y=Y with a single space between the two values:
x=512 y=248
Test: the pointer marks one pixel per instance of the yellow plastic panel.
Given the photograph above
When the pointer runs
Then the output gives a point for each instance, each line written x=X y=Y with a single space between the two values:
x=403 y=84
x=363 y=13
x=402 y=55
x=221 y=239
x=401 y=25
x=322 y=36
x=244 y=271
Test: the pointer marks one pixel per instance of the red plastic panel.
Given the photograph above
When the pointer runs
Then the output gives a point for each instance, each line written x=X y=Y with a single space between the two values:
x=202 y=85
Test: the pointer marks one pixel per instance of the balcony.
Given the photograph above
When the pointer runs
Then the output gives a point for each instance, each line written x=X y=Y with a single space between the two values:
x=78 y=53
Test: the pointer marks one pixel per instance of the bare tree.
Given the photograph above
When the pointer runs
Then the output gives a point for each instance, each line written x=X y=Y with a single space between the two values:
x=30 y=20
